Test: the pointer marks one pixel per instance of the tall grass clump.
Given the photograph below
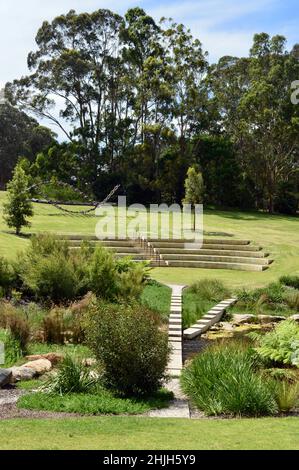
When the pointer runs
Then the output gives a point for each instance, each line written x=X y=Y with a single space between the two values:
x=72 y=377
x=223 y=380
x=200 y=297
x=290 y=281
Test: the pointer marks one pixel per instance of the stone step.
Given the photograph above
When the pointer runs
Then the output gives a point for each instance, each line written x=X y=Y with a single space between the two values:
x=223 y=259
x=206 y=251
x=216 y=265
x=206 y=241
x=181 y=245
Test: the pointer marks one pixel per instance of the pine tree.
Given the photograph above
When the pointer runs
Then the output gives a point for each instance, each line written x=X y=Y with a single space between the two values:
x=17 y=208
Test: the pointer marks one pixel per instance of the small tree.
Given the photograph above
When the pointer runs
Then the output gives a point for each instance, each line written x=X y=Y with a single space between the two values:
x=194 y=188
x=17 y=207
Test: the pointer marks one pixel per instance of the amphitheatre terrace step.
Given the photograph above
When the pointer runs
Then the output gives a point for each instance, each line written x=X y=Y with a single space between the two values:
x=204 y=246
x=216 y=265
x=186 y=251
x=223 y=259
x=207 y=241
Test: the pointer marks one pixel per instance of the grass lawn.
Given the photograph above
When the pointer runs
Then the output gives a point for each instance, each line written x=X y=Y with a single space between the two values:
x=100 y=402
x=278 y=235
x=127 y=433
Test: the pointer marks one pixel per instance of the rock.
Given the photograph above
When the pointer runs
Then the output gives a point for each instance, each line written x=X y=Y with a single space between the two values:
x=40 y=366
x=21 y=373
x=89 y=362
x=5 y=377
x=270 y=318
x=227 y=326
x=294 y=317
x=239 y=319
x=54 y=358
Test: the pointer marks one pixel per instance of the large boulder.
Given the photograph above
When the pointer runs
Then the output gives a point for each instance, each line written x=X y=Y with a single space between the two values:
x=5 y=377
x=294 y=317
x=21 y=374
x=54 y=358
x=239 y=319
x=40 y=366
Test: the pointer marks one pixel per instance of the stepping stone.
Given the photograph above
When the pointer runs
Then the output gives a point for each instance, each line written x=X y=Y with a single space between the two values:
x=176 y=338
x=175 y=345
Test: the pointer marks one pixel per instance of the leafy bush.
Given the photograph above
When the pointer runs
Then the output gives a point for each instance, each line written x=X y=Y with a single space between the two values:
x=290 y=281
x=282 y=344
x=72 y=377
x=127 y=341
x=223 y=380
x=52 y=271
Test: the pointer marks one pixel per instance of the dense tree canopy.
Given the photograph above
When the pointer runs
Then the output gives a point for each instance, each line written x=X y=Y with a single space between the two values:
x=20 y=136
x=139 y=104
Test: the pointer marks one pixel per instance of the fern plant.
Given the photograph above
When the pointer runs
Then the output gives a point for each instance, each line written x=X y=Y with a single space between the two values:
x=282 y=344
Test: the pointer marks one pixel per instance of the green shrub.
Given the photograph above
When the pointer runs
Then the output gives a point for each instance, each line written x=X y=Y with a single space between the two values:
x=6 y=275
x=222 y=380
x=72 y=377
x=280 y=345
x=46 y=269
x=290 y=281
x=112 y=279
x=127 y=341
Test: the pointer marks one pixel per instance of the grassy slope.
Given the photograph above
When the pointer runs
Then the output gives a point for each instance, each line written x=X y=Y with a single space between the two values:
x=279 y=235
x=111 y=433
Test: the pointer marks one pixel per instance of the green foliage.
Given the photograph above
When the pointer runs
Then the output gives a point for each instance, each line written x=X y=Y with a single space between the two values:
x=18 y=208
x=6 y=275
x=102 y=402
x=223 y=380
x=287 y=395
x=290 y=281
x=12 y=348
x=200 y=297
x=20 y=135
x=72 y=377
x=156 y=297
x=128 y=343
x=282 y=344
x=194 y=187
x=50 y=270
x=209 y=289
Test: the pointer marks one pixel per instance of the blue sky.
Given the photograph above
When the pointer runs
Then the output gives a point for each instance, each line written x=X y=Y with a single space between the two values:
x=223 y=26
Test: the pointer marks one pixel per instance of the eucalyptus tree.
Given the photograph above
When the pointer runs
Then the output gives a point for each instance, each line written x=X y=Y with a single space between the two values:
x=75 y=80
